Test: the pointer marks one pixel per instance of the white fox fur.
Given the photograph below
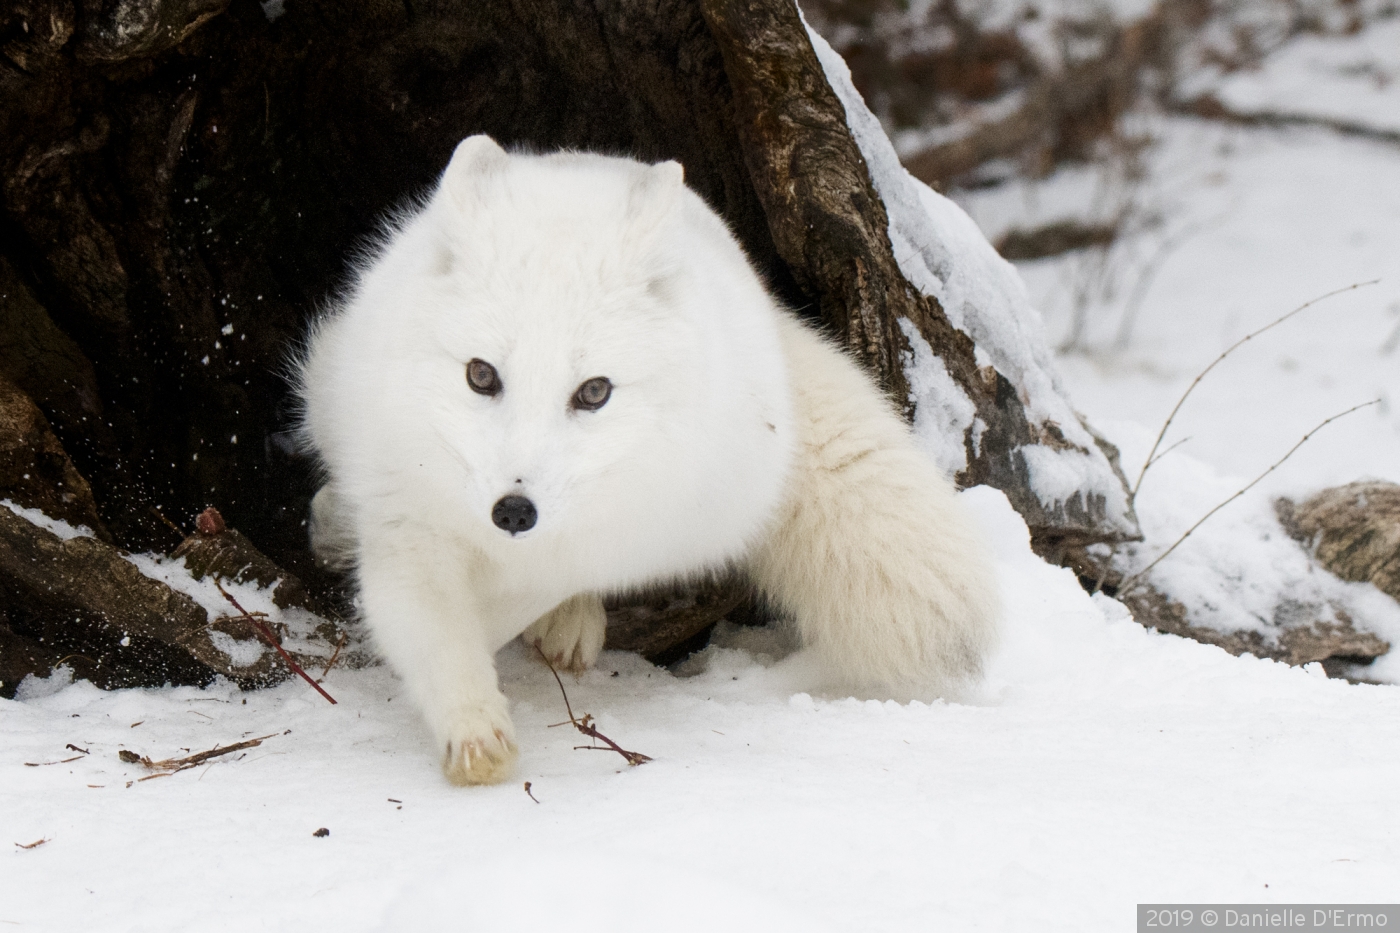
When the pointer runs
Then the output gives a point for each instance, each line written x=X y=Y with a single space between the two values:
x=732 y=435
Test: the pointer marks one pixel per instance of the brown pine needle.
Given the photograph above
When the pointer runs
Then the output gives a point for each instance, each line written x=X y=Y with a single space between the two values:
x=585 y=724
x=41 y=764
x=33 y=845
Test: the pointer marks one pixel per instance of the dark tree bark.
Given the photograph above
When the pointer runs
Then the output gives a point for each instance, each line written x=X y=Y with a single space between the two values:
x=80 y=599
x=186 y=181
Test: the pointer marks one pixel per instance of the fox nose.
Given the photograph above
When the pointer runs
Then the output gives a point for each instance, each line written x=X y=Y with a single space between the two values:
x=514 y=514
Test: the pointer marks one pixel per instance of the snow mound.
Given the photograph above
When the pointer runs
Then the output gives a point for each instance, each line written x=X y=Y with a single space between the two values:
x=1240 y=571
x=942 y=252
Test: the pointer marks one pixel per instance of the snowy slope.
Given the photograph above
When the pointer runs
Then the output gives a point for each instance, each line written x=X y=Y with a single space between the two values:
x=1105 y=765
x=1352 y=80
x=1230 y=229
x=943 y=254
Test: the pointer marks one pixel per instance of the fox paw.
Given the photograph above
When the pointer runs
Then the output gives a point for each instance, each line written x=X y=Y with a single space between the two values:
x=571 y=634
x=481 y=750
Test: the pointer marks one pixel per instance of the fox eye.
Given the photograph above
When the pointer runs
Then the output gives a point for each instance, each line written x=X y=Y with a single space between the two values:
x=481 y=376
x=593 y=394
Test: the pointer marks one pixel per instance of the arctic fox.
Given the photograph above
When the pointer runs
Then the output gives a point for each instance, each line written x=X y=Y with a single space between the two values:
x=560 y=378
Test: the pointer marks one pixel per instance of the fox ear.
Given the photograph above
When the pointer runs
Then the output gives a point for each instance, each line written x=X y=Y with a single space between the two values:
x=656 y=193
x=475 y=156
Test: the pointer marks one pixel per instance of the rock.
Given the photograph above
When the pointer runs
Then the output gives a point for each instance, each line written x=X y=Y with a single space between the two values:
x=119 y=30
x=20 y=657
x=47 y=365
x=81 y=597
x=1352 y=530
x=35 y=471
x=1300 y=634
x=660 y=626
x=216 y=549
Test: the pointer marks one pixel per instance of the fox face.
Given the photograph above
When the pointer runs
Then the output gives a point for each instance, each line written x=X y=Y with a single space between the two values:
x=565 y=354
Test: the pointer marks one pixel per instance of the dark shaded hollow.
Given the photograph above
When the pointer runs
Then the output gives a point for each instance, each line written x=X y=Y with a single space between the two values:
x=227 y=184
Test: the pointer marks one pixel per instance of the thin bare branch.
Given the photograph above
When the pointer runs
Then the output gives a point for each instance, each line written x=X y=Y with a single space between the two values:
x=585 y=724
x=271 y=639
x=1169 y=450
x=335 y=656
x=1134 y=579
x=1233 y=347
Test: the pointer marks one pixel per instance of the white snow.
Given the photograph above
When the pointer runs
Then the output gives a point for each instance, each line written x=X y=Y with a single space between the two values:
x=942 y=411
x=52 y=525
x=1229 y=229
x=1348 y=79
x=942 y=252
x=1104 y=765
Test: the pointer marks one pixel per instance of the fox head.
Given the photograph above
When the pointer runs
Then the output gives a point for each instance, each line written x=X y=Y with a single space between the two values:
x=564 y=353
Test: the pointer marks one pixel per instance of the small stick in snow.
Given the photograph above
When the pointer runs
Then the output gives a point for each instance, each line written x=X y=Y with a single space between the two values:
x=33 y=845
x=1136 y=578
x=585 y=725
x=527 y=790
x=170 y=766
x=40 y=764
x=271 y=639
x=334 y=656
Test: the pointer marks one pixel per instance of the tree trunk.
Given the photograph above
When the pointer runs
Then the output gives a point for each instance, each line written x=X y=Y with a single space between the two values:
x=186 y=181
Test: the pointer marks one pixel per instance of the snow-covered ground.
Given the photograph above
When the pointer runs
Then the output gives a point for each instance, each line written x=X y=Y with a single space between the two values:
x=1230 y=229
x=1241 y=225
x=1102 y=765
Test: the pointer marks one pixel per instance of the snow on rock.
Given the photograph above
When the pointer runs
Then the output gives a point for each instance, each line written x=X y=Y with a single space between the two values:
x=1265 y=220
x=1240 y=571
x=942 y=411
x=1098 y=765
x=942 y=252
x=55 y=526
x=299 y=627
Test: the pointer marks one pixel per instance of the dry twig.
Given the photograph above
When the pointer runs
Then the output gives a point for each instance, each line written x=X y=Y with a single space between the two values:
x=271 y=639
x=1133 y=580
x=168 y=523
x=335 y=655
x=585 y=725
x=169 y=766
x=32 y=845
x=40 y=764
x=1152 y=454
